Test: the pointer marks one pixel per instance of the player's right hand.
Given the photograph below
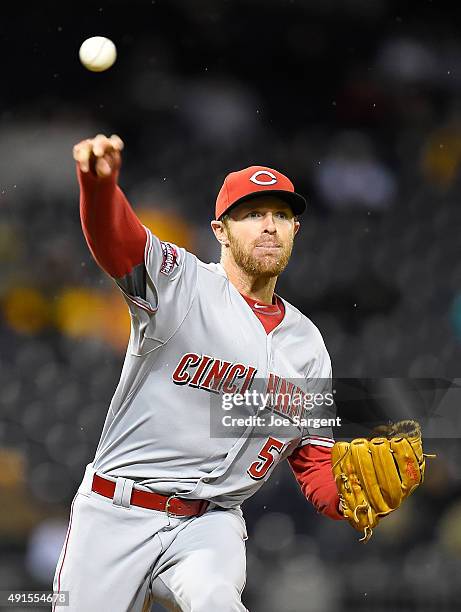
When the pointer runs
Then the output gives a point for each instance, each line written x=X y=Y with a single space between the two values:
x=100 y=155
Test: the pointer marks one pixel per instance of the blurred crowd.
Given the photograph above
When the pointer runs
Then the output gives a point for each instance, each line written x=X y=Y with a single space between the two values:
x=360 y=104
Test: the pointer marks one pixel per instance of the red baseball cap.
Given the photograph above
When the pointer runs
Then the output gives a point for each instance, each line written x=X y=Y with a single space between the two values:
x=254 y=181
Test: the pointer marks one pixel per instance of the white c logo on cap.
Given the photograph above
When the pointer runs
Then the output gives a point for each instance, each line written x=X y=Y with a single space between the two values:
x=271 y=181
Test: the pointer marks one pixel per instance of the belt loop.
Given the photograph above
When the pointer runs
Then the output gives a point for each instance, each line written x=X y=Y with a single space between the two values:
x=205 y=504
x=122 y=493
x=87 y=482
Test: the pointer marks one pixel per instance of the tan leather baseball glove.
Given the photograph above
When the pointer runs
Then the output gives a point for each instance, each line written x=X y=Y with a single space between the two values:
x=375 y=475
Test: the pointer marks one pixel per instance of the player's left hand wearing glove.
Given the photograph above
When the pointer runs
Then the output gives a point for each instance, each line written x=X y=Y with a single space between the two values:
x=374 y=476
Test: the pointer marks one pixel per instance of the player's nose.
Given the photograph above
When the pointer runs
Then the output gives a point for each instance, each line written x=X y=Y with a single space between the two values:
x=269 y=223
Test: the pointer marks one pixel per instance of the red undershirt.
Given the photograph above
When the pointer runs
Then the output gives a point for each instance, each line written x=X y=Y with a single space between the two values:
x=270 y=315
x=116 y=239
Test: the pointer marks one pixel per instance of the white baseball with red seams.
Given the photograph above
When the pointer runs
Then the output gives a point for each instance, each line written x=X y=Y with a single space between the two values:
x=97 y=53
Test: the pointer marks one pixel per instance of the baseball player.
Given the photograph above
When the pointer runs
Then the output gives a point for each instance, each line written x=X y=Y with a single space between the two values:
x=158 y=513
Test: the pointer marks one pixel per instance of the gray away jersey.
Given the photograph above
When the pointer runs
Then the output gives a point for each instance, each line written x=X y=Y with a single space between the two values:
x=193 y=338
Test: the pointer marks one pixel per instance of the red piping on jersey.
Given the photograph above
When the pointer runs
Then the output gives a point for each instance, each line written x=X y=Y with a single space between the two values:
x=318 y=440
x=65 y=551
x=115 y=235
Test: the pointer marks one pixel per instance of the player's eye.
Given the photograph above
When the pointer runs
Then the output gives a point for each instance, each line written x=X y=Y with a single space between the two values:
x=282 y=215
x=254 y=214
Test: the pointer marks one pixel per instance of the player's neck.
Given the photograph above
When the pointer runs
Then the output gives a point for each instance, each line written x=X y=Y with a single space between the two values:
x=256 y=287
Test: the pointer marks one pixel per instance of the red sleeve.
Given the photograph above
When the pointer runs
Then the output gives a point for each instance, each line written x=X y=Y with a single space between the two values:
x=311 y=466
x=114 y=234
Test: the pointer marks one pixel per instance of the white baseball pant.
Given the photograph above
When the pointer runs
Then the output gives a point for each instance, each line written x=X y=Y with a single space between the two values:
x=121 y=558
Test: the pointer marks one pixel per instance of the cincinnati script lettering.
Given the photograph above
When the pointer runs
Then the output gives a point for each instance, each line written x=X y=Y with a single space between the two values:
x=211 y=374
x=235 y=379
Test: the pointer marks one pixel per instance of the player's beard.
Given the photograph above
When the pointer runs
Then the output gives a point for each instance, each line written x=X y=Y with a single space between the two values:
x=266 y=266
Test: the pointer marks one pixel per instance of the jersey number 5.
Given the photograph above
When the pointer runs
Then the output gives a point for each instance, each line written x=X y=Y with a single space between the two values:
x=259 y=469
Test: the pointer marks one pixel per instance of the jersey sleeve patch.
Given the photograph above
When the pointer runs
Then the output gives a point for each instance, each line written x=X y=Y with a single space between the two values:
x=170 y=258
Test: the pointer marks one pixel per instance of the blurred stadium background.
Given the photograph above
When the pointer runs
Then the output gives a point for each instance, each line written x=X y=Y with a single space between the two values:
x=359 y=101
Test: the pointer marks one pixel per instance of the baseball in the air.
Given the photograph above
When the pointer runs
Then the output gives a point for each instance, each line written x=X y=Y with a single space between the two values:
x=97 y=53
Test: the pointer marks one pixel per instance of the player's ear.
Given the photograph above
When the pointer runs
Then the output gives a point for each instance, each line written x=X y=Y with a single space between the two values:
x=296 y=226
x=219 y=230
